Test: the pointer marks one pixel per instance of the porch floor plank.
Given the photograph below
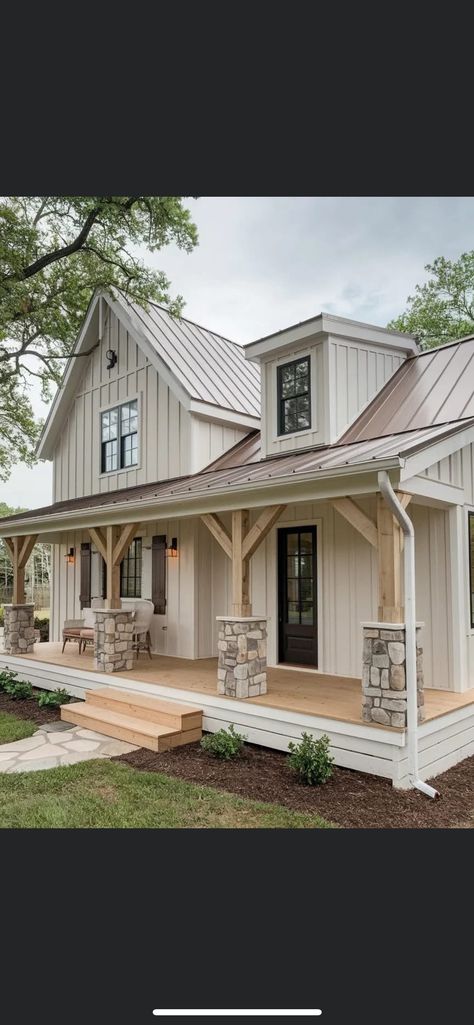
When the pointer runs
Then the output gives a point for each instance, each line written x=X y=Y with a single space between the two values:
x=334 y=697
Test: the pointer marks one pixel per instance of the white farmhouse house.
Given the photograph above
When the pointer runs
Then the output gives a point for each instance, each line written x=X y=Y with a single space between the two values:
x=266 y=501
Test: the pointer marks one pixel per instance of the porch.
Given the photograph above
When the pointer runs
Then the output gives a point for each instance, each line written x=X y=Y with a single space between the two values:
x=295 y=701
x=291 y=690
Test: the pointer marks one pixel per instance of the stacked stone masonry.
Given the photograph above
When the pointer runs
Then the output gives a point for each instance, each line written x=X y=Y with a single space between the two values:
x=113 y=640
x=242 y=668
x=384 y=694
x=19 y=637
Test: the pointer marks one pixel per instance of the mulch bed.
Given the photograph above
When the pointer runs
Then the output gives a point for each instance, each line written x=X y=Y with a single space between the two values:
x=350 y=799
x=28 y=708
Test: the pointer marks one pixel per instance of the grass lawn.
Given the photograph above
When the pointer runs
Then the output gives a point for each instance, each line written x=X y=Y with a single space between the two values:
x=12 y=729
x=103 y=794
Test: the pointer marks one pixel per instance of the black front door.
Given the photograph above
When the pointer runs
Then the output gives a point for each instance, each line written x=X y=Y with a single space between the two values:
x=297 y=591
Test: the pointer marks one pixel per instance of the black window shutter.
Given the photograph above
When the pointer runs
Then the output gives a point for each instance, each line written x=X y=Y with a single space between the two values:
x=158 y=573
x=103 y=577
x=85 y=595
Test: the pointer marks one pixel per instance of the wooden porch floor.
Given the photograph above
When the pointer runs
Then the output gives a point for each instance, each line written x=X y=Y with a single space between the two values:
x=335 y=697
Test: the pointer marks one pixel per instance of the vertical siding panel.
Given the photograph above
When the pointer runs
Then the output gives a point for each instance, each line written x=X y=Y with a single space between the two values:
x=163 y=430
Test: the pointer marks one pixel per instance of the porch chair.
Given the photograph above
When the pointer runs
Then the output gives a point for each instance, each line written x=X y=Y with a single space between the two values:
x=144 y=611
x=72 y=632
x=87 y=633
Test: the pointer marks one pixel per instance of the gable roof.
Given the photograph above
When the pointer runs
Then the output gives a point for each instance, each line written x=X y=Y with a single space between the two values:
x=208 y=373
x=435 y=387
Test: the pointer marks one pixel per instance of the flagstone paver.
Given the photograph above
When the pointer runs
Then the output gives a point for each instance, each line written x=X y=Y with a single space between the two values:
x=48 y=748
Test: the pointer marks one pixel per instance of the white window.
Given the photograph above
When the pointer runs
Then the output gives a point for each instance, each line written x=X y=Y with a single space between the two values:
x=119 y=437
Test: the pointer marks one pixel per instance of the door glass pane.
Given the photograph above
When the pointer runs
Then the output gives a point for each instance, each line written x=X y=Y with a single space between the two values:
x=306 y=566
x=307 y=612
x=306 y=589
x=293 y=590
x=293 y=566
x=306 y=543
x=293 y=612
x=292 y=543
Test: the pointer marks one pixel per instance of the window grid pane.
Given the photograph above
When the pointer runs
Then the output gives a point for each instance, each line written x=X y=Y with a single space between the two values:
x=294 y=396
x=131 y=571
x=119 y=437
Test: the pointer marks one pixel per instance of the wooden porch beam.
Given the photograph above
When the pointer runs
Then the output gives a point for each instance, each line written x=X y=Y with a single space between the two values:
x=216 y=527
x=357 y=518
x=404 y=498
x=112 y=600
x=26 y=549
x=260 y=529
x=99 y=541
x=9 y=543
x=123 y=544
x=240 y=566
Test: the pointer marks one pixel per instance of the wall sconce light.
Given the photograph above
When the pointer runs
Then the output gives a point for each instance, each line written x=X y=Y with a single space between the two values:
x=111 y=356
x=70 y=557
x=172 y=549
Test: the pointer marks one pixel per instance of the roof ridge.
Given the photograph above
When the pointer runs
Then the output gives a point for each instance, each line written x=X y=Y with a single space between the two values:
x=158 y=306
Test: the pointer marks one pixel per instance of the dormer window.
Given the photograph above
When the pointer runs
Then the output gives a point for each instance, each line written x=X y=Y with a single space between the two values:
x=119 y=437
x=294 y=396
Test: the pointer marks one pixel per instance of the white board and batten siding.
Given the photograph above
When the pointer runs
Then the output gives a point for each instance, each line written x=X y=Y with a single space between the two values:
x=171 y=440
x=345 y=376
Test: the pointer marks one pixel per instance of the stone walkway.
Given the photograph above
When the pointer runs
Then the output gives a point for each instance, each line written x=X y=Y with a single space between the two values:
x=53 y=745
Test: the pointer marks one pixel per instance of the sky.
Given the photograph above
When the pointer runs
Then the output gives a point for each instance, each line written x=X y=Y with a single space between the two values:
x=264 y=263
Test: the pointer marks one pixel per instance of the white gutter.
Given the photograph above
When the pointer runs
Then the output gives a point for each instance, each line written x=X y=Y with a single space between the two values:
x=410 y=634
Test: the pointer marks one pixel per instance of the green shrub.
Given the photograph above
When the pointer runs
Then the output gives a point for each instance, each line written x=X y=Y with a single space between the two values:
x=18 y=690
x=53 y=698
x=42 y=624
x=7 y=676
x=311 y=759
x=2 y=616
x=223 y=744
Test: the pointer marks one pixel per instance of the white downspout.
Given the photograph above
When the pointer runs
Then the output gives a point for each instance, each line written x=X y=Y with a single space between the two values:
x=410 y=633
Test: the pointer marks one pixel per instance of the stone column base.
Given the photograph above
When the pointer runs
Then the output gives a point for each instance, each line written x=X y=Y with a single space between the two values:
x=19 y=638
x=113 y=640
x=384 y=694
x=242 y=670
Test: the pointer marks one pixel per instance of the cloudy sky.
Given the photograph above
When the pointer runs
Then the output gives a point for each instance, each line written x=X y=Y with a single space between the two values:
x=265 y=263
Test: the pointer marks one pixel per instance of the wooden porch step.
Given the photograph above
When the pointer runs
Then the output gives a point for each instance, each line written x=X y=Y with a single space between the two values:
x=140 y=706
x=154 y=736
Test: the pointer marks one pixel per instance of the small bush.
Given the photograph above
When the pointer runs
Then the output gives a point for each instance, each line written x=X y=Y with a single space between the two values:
x=223 y=744
x=53 y=698
x=311 y=759
x=7 y=676
x=18 y=690
x=42 y=624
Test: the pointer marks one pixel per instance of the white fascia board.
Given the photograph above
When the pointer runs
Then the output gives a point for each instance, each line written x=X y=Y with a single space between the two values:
x=433 y=492
x=226 y=417
x=315 y=485
x=419 y=461
x=327 y=323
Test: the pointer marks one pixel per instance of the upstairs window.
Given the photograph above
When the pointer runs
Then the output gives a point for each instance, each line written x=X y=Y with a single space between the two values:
x=294 y=396
x=119 y=437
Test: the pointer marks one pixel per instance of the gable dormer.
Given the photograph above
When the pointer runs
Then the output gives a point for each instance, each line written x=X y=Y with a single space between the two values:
x=317 y=376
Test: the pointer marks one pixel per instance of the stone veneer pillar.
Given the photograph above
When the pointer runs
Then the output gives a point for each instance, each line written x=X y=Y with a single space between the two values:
x=113 y=640
x=19 y=622
x=242 y=669
x=384 y=694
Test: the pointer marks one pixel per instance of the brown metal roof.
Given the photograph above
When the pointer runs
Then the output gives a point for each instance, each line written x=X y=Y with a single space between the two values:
x=216 y=480
x=435 y=387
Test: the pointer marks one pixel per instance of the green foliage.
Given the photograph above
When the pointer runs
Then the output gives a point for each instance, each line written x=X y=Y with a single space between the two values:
x=311 y=759
x=42 y=624
x=18 y=690
x=442 y=309
x=55 y=251
x=223 y=744
x=53 y=698
x=7 y=676
x=2 y=616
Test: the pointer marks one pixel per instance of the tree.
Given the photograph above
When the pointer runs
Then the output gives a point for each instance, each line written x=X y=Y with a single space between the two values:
x=54 y=252
x=442 y=309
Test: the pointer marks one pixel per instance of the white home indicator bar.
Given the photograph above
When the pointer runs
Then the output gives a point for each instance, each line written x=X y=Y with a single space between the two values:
x=234 y=1013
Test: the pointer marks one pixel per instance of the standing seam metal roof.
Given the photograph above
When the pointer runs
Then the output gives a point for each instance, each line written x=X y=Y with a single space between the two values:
x=209 y=367
x=435 y=387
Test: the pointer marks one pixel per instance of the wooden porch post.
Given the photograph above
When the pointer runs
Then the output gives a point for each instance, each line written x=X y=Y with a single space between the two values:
x=112 y=548
x=241 y=605
x=390 y=538
x=19 y=550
